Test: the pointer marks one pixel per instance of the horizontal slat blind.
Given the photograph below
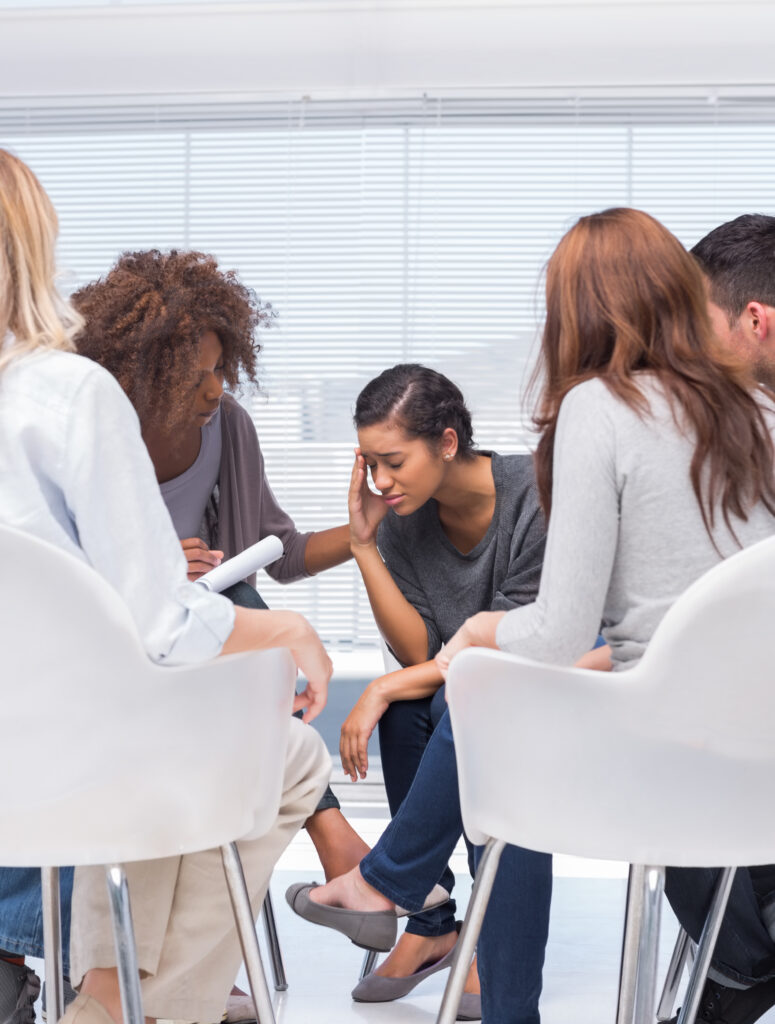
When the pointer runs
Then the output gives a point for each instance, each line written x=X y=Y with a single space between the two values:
x=407 y=230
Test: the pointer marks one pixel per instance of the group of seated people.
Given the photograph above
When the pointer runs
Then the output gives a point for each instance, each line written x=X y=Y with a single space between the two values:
x=655 y=459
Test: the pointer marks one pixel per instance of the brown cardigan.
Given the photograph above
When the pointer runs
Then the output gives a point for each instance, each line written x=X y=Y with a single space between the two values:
x=247 y=508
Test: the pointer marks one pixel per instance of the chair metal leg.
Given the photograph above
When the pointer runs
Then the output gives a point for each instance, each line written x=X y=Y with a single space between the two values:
x=273 y=944
x=678 y=962
x=466 y=944
x=126 y=952
x=648 y=952
x=628 y=971
x=369 y=960
x=246 y=929
x=52 y=943
x=707 y=944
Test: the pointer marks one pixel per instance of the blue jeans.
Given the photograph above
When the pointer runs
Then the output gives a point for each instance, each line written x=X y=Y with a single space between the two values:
x=412 y=856
x=404 y=732
x=21 y=914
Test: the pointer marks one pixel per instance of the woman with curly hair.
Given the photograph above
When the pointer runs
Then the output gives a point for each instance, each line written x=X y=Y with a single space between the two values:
x=174 y=330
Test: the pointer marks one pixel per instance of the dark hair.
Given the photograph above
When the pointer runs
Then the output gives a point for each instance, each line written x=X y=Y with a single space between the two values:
x=145 y=318
x=423 y=402
x=738 y=259
x=624 y=296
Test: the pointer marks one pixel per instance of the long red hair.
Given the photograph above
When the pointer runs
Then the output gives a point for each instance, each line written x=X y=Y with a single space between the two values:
x=624 y=296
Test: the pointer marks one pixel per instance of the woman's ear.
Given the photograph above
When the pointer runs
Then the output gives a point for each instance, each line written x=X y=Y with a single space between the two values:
x=449 y=444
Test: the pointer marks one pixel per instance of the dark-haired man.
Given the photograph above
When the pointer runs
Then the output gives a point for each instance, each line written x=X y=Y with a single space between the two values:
x=738 y=260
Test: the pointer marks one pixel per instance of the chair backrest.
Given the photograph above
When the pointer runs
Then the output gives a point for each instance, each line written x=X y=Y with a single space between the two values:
x=711 y=662
x=670 y=762
x=118 y=758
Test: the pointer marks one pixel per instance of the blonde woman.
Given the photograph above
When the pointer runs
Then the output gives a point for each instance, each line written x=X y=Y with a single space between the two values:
x=75 y=472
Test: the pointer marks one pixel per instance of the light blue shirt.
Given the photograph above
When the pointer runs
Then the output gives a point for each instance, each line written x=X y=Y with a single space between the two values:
x=74 y=471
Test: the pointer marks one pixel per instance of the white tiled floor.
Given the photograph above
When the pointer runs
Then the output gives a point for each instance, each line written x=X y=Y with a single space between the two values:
x=581 y=971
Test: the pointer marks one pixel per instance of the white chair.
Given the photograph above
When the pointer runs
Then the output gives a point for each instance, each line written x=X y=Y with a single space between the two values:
x=638 y=766
x=143 y=743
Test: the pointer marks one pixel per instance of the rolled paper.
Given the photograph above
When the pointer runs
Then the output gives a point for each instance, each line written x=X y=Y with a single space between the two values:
x=246 y=562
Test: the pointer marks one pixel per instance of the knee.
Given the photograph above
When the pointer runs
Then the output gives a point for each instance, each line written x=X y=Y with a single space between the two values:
x=308 y=759
x=405 y=723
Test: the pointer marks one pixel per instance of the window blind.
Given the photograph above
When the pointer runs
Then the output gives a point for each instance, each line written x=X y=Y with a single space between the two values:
x=384 y=231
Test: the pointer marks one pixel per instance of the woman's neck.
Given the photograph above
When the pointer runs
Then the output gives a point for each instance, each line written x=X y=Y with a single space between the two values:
x=466 y=502
x=172 y=453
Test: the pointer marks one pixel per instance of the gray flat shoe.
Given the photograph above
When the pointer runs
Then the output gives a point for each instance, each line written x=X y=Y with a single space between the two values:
x=470 y=1007
x=375 y=988
x=369 y=929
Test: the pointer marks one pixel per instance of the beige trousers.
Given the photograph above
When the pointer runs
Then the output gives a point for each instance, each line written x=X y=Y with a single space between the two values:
x=187 y=946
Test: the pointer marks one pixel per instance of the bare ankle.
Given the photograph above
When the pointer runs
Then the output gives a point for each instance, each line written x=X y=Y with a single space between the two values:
x=336 y=842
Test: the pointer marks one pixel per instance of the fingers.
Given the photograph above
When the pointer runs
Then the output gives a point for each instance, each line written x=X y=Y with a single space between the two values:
x=362 y=754
x=200 y=558
x=442 y=662
x=310 y=702
x=315 y=664
x=353 y=750
x=357 y=482
x=315 y=702
x=199 y=568
x=358 y=471
x=348 y=765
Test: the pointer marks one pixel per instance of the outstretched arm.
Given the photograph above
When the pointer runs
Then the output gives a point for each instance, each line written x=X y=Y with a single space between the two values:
x=327 y=548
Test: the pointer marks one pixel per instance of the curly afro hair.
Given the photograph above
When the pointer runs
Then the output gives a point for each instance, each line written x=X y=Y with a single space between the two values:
x=145 y=318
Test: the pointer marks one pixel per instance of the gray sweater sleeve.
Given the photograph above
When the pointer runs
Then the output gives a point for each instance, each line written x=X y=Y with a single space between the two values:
x=248 y=510
x=400 y=567
x=563 y=622
x=521 y=585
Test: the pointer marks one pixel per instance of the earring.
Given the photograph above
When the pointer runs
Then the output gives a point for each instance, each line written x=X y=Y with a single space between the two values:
x=448 y=456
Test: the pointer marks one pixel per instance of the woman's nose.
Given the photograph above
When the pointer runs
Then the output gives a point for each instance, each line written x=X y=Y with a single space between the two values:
x=382 y=479
x=213 y=387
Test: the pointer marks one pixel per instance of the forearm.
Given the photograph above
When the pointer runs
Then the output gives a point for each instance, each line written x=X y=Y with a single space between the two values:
x=401 y=624
x=598 y=659
x=327 y=548
x=478 y=631
x=256 y=630
x=407 y=684
x=481 y=628
x=412 y=683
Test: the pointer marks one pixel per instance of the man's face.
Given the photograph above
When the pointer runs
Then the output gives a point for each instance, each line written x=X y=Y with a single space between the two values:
x=727 y=333
x=751 y=335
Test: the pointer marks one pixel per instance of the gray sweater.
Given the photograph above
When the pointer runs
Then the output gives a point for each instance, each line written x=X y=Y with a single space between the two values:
x=625 y=536
x=501 y=572
x=247 y=510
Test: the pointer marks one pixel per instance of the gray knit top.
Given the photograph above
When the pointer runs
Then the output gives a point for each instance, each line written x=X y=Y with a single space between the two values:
x=626 y=535
x=502 y=571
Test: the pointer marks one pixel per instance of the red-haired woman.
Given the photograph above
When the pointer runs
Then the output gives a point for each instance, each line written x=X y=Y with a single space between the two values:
x=655 y=461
